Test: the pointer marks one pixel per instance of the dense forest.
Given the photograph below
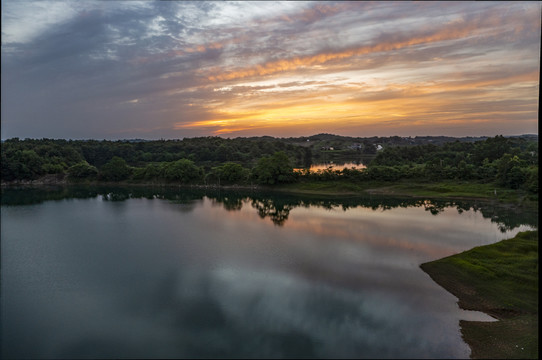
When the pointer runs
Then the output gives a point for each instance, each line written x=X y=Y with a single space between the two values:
x=510 y=162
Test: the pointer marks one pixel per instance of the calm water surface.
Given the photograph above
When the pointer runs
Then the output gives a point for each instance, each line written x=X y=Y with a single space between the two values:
x=234 y=276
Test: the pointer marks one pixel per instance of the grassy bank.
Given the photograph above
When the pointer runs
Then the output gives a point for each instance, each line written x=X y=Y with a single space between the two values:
x=413 y=188
x=501 y=280
x=441 y=189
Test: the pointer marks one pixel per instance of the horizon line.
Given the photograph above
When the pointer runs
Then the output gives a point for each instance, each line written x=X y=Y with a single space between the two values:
x=261 y=136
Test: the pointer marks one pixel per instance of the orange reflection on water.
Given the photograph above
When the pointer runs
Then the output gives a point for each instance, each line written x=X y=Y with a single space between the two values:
x=399 y=230
x=374 y=228
x=333 y=166
x=368 y=232
x=363 y=232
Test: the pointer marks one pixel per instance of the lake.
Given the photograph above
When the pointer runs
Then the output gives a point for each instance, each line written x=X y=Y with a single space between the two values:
x=171 y=273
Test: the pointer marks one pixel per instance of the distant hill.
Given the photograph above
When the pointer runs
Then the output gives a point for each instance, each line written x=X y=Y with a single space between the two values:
x=397 y=140
x=394 y=140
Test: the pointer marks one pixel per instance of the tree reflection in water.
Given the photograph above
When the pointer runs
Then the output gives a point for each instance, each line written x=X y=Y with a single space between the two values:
x=277 y=212
x=230 y=203
x=274 y=206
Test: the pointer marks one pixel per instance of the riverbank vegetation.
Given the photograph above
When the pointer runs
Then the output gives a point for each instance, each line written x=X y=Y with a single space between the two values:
x=501 y=280
x=500 y=166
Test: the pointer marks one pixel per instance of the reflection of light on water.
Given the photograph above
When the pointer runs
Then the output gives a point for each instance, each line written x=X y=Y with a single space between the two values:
x=221 y=280
x=334 y=166
x=471 y=315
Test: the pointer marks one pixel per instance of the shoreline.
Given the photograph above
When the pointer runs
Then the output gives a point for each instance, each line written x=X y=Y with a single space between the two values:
x=496 y=279
x=385 y=190
x=436 y=190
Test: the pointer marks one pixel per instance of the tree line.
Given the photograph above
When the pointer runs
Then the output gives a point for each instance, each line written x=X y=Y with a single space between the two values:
x=507 y=162
x=187 y=160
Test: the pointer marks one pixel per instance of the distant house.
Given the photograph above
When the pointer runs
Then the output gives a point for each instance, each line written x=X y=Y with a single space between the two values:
x=379 y=147
x=355 y=146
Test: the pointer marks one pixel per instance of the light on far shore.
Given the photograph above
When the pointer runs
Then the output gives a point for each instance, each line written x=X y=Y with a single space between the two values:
x=333 y=166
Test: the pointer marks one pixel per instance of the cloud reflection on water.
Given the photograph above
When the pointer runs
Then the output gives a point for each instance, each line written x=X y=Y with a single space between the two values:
x=144 y=277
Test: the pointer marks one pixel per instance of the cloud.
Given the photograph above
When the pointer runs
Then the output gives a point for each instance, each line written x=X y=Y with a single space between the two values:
x=75 y=71
x=388 y=42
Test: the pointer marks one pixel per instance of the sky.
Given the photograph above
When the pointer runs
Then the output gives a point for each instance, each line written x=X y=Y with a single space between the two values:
x=176 y=69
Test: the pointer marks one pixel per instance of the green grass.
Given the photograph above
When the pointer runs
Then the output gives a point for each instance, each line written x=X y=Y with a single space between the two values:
x=462 y=189
x=441 y=189
x=502 y=280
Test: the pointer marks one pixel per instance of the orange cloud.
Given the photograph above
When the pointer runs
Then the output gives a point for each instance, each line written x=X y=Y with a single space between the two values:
x=273 y=115
x=374 y=101
x=485 y=26
x=447 y=103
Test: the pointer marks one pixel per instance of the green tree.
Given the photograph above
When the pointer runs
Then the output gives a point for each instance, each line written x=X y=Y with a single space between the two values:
x=487 y=171
x=183 y=171
x=509 y=171
x=383 y=173
x=49 y=168
x=464 y=170
x=531 y=183
x=151 y=171
x=21 y=164
x=231 y=173
x=307 y=157
x=273 y=169
x=82 y=170
x=115 y=169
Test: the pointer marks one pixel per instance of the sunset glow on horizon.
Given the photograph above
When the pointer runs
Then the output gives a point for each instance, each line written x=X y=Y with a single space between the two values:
x=131 y=69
